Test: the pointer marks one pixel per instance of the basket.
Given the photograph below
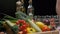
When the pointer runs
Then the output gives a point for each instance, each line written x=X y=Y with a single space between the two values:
x=48 y=32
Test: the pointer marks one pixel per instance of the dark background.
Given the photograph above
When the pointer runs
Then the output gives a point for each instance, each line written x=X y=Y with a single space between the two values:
x=42 y=7
x=45 y=7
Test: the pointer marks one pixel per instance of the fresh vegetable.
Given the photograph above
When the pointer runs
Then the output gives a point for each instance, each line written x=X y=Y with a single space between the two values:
x=30 y=30
x=22 y=32
x=12 y=26
x=40 y=24
x=43 y=26
x=8 y=29
x=19 y=13
x=34 y=26
x=23 y=16
x=50 y=26
x=1 y=26
x=10 y=23
x=22 y=24
x=10 y=18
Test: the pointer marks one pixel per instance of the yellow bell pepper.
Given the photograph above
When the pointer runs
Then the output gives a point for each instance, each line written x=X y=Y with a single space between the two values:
x=30 y=30
x=43 y=26
x=40 y=24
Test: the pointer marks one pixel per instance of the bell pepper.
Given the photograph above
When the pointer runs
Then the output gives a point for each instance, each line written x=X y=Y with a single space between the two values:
x=23 y=32
x=30 y=30
x=40 y=24
x=22 y=24
x=45 y=28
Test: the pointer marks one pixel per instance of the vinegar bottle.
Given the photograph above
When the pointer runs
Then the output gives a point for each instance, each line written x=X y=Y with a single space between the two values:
x=30 y=10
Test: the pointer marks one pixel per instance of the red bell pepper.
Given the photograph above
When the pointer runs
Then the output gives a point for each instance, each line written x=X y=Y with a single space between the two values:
x=23 y=32
x=22 y=24
x=45 y=28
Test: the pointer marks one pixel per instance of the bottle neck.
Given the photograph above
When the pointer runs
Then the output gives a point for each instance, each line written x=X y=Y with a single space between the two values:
x=30 y=1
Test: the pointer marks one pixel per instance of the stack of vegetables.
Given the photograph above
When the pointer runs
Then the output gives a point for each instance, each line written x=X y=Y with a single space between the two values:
x=22 y=24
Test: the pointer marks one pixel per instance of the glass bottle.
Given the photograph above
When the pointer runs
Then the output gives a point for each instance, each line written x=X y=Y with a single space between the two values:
x=23 y=7
x=18 y=5
x=30 y=10
x=18 y=9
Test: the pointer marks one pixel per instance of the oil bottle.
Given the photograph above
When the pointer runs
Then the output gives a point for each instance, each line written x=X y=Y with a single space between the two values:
x=23 y=7
x=18 y=5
